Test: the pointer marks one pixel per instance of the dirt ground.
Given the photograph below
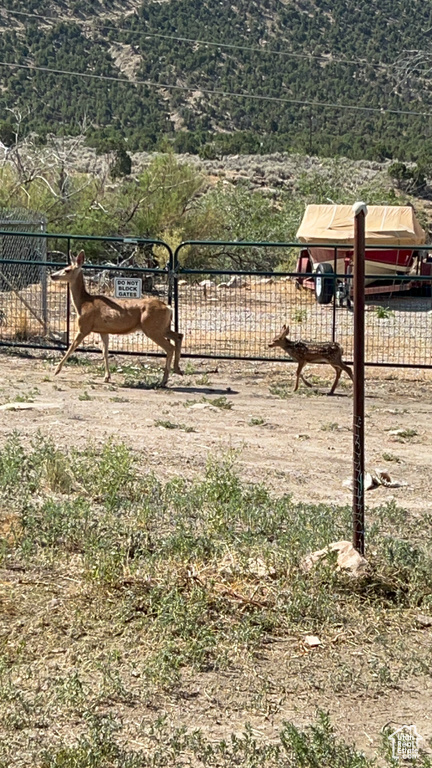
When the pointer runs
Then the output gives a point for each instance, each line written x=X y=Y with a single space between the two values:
x=299 y=444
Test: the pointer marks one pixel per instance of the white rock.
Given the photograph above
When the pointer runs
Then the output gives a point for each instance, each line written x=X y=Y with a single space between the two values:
x=202 y=406
x=312 y=641
x=348 y=559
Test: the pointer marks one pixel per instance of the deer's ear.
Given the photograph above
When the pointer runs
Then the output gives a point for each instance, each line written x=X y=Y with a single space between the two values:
x=286 y=330
x=80 y=258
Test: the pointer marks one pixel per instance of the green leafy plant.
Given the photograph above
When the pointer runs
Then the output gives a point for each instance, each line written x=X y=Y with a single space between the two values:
x=256 y=421
x=383 y=313
x=166 y=424
x=85 y=396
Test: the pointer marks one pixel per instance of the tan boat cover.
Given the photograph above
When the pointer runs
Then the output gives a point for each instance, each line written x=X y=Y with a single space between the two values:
x=385 y=225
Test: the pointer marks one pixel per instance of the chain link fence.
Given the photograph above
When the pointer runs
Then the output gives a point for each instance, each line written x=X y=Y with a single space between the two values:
x=23 y=275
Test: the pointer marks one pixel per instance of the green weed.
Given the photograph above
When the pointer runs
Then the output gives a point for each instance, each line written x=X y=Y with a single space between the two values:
x=330 y=426
x=315 y=745
x=218 y=402
x=172 y=425
x=85 y=396
x=284 y=391
x=299 y=315
x=391 y=457
x=138 y=376
x=256 y=421
x=190 y=369
x=27 y=397
x=166 y=579
x=383 y=313
x=204 y=380
x=400 y=435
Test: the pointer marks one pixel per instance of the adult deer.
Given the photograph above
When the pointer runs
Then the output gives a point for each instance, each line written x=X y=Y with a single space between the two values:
x=312 y=352
x=104 y=315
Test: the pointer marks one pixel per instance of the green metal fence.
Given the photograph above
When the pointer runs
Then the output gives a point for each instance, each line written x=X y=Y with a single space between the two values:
x=234 y=313
x=40 y=314
x=225 y=308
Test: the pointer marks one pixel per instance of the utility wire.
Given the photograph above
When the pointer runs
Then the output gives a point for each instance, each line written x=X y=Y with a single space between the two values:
x=215 y=92
x=257 y=49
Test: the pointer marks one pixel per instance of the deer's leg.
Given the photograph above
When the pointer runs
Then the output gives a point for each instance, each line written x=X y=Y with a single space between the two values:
x=299 y=370
x=338 y=374
x=177 y=338
x=76 y=342
x=347 y=370
x=305 y=381
x=169 y=348
x=105 y=339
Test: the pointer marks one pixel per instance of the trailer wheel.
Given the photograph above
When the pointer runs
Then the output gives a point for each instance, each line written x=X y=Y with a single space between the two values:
x=324 y=283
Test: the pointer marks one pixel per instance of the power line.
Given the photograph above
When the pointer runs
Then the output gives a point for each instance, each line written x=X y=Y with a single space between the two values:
x=233 y=46
x=216 y=92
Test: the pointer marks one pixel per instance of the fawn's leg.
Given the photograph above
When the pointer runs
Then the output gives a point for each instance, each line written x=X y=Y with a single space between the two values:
x=338 y=374
x=169 y=348
x=177 y=338
x=305 y=381
x=299 y=370
x=105 y=339
x=347 y=370
x=77 y=340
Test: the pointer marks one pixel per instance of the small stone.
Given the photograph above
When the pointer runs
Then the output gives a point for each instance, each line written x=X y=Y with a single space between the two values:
x=348 y=559
x=423 y=621
x=312 y=641
x=202 y=406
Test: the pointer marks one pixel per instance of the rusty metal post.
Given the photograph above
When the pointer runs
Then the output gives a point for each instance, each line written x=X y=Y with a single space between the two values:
x=174 y=266
x=44 y=280
x=335 y=255
x=360 y=211
x=68 y=299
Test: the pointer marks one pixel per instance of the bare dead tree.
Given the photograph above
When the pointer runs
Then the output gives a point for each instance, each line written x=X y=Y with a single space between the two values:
x=413 y=63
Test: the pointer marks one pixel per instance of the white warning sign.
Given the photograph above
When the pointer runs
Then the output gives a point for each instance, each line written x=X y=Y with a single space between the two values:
x=128 y=287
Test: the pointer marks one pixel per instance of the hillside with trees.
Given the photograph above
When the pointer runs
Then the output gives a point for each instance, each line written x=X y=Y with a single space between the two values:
x=177 y=198
x=212 y=78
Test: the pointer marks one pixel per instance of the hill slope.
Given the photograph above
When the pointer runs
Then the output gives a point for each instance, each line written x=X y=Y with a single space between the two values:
x=278 y=55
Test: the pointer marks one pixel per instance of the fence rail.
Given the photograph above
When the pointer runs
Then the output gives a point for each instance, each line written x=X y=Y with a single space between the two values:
x=225 y=309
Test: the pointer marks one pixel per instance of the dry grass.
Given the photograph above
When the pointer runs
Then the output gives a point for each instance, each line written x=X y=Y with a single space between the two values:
x=118 y=593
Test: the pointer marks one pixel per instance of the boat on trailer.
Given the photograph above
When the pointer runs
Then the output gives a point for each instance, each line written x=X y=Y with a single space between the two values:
x=393 y=235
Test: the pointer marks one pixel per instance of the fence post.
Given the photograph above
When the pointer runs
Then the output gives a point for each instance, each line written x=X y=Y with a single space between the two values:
x=68 y=301
x=359 y=211
x=335 y=255
x=175 y=263
x=44 y=288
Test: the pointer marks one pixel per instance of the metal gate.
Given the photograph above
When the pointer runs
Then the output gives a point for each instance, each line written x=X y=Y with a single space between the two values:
x=224 y=309
x=36 y=312
x=228 y=311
